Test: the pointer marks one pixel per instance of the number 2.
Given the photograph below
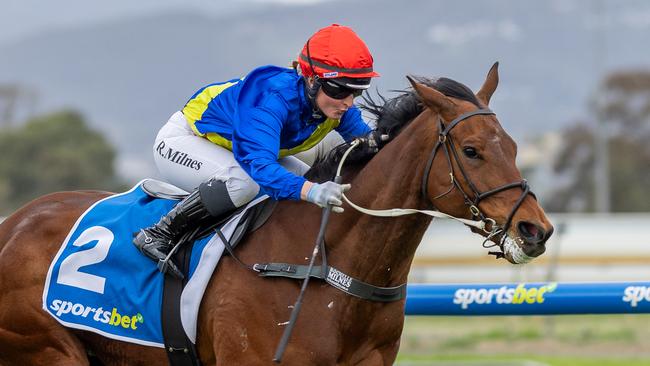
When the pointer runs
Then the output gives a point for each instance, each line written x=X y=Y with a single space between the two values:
x=69 y=269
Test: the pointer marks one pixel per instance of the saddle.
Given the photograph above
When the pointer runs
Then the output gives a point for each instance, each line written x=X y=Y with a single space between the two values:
x=180 y=349
x=253 y=219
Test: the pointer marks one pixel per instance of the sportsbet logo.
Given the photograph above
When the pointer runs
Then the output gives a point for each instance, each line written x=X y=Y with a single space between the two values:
x=502 y=295
x=110 y=317
x=636 y=294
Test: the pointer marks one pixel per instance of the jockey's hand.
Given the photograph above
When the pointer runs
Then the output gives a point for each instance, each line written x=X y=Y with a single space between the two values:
x=327 y=193
x=371 y=142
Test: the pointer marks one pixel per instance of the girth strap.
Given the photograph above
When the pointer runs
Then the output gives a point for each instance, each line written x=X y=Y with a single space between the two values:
x=335 y=278
x=180 y=349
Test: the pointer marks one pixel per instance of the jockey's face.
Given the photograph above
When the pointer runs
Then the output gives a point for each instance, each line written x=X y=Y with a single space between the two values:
x=333 y=108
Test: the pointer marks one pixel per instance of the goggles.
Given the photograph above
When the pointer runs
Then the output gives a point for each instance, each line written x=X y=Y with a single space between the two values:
x=336 y=91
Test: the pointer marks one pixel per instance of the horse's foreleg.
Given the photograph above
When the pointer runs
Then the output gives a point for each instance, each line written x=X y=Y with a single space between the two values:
x=378 y=357
x=384 y=355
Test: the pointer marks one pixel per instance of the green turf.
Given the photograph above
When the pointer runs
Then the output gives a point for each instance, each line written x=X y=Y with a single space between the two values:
x=518 y=360
x=533 y=341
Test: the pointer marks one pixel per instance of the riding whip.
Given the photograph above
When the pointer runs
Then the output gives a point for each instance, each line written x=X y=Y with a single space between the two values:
x=277 y=358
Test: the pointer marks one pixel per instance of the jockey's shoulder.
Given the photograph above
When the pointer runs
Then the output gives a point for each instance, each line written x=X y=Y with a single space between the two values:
x=281 y=82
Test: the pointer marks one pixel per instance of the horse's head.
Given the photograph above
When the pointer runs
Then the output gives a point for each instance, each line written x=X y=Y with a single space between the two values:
x=472 y=172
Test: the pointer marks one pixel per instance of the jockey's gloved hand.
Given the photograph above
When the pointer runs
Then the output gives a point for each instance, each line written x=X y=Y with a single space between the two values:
x=328 y=193
x=371 y=142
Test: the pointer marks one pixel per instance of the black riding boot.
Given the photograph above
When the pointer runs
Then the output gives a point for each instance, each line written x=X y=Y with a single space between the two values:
x=210 y=201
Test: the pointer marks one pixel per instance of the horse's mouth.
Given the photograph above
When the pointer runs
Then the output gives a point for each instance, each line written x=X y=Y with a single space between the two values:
x=517 y=251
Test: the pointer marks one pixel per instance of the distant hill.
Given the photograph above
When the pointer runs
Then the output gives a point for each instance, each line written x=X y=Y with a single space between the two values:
x=128 y=76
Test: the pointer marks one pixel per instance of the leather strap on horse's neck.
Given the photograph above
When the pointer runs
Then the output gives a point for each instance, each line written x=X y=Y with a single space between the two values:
x=335 y=278
x=331 y=275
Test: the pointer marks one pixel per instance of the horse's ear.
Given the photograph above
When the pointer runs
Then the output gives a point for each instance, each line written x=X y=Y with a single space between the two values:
x=432 y=98
x=490 y=84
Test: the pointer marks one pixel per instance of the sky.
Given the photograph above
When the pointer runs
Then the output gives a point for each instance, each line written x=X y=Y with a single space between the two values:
x=21 y=18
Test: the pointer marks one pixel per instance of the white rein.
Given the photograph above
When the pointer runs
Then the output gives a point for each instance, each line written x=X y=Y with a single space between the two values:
x=393 y=212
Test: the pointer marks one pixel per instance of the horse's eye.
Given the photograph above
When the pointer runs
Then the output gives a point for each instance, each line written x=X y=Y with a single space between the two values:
x=471 y=152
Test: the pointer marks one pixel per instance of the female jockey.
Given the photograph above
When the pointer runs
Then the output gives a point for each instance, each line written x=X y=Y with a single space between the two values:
x=235 y=139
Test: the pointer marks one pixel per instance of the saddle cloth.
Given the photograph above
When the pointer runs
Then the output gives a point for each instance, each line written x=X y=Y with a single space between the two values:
x=100 y=282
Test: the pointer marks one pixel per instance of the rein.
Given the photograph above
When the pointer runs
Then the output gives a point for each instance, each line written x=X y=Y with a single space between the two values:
x=486 y=224
x=394 y=212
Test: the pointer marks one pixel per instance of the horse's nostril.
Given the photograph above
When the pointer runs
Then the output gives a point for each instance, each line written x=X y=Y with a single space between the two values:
x=530 y=231
x=548 y=234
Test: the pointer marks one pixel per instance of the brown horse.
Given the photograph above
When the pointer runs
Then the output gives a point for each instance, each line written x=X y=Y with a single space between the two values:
x=242 y=315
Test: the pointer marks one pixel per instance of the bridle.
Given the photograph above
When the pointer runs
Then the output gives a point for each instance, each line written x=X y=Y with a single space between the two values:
x=446 y=142
x=479 y=220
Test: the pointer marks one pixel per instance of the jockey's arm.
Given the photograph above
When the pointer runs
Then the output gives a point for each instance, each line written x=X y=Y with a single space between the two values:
x=256 y=144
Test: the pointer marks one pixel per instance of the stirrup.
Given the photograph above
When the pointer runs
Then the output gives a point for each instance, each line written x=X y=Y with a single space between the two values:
x=147 y=238
x=168 y=266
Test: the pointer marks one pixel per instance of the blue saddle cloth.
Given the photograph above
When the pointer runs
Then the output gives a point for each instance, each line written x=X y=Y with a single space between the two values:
x=100 y=282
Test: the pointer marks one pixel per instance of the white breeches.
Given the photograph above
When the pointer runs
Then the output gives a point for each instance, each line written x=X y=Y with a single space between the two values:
x=186 y=160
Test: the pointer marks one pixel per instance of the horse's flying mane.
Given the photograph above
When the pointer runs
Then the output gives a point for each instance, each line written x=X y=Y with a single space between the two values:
x=391 y=116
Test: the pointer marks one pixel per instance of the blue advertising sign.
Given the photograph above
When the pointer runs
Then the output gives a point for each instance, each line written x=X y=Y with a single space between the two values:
x=528 y=298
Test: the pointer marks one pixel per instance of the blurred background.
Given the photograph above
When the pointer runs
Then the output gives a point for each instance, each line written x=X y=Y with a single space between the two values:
x=85 y=86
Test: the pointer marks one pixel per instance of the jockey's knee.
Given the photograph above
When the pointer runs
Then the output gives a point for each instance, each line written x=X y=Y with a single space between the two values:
x=241 y=188
x=321 y=149
x=294 y=165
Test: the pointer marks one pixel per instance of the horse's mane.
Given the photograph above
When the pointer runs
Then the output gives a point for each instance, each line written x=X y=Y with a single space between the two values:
x=391 y=116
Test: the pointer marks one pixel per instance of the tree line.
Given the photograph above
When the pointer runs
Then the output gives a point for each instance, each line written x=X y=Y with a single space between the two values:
x=53 y=152
x=622 y=105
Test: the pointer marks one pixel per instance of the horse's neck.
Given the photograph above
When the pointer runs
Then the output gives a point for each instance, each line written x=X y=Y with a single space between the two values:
x=380 y=250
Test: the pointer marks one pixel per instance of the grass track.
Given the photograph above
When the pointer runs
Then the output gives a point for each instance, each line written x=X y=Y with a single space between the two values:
x=606 y=340
x=518 y=360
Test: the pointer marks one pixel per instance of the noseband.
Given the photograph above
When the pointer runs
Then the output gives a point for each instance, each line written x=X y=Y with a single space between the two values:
x=445 y=141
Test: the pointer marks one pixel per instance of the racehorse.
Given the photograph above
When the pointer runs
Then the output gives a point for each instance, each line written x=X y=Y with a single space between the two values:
x=445 y=150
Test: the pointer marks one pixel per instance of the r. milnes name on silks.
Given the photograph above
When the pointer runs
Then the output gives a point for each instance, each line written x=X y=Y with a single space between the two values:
x=339 y=279
x=178 y=157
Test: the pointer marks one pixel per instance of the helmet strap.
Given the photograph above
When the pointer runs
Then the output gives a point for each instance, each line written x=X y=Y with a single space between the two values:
x=312 y=90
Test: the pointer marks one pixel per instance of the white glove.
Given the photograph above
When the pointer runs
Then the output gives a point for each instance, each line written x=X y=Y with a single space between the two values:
x=328 y=193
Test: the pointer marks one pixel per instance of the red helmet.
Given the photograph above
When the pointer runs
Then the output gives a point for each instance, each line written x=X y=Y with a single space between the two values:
x=336 y=52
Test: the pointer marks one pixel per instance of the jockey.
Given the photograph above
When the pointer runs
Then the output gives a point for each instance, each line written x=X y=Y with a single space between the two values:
x=234 y=140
